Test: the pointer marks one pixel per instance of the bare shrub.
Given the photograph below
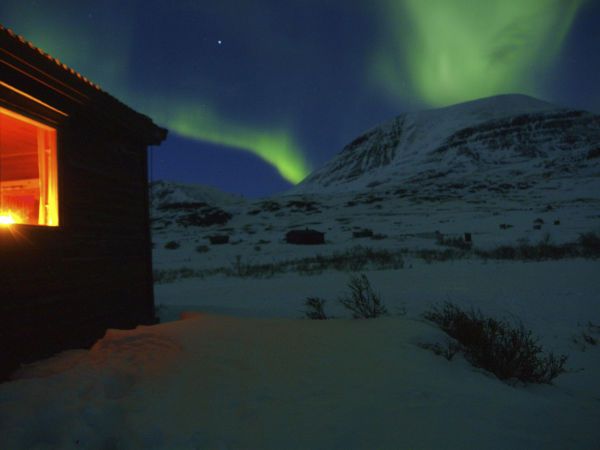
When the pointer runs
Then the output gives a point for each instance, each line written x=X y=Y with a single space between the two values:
x=363 y=301
x=589 y=244
x=448 y=351
x=162 y=276
x=315 y=308
x=456 y=242
x=589 y=337
x=508 y=351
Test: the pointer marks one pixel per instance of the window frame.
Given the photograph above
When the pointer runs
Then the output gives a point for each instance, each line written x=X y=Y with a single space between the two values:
x=22 y=113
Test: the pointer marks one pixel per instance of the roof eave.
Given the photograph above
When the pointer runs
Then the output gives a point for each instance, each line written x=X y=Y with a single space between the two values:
x=31 y=69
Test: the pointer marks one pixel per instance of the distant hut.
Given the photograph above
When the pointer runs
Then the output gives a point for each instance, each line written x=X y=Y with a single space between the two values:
x=305 y=237
x=219 y=239
x=75 y=247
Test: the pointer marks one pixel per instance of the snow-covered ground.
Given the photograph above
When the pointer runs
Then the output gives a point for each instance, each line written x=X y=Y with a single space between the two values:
x=220 y=382
x=245 y=371
x=223 y=382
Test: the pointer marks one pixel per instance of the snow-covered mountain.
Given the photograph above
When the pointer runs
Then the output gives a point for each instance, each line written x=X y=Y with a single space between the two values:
x=165 y=193
x=507 y=142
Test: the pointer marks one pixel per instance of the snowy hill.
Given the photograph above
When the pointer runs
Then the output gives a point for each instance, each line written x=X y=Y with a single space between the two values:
x=185 y=205
x=165 y=192
x=507 y=141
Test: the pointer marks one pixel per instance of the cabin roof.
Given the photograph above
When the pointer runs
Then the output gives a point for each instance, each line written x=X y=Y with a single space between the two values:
x=20 y=56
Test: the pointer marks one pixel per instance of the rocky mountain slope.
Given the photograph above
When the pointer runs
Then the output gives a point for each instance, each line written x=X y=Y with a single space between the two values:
x=501 y=143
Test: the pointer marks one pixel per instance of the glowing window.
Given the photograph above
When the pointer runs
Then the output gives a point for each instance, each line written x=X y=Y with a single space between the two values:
x=28 y=171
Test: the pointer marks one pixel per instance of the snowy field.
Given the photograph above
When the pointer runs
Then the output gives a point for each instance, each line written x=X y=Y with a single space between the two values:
x=246 y=372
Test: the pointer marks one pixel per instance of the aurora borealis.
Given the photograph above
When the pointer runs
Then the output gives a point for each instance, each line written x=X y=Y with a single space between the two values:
x=460 y=50
x=276 y=147
x=286 y=85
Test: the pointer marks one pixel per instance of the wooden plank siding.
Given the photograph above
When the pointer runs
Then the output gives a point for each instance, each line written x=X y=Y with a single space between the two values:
x=62 y=287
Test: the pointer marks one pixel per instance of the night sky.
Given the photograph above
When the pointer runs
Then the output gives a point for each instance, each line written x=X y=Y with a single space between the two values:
x=257 y=93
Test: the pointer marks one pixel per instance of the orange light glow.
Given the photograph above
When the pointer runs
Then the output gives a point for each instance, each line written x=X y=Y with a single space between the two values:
x=28 y=171
x=8 y=218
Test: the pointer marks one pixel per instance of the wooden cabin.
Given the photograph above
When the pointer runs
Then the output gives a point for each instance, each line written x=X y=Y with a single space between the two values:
x=75 y=247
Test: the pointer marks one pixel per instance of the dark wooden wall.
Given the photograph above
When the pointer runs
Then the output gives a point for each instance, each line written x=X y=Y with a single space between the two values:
x=62 y=287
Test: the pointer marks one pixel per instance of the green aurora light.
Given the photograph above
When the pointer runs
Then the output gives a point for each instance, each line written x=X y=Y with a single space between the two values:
x=276 y=147
x=453 y=51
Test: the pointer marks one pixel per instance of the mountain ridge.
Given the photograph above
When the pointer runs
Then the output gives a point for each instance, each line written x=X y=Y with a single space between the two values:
x=462 y=141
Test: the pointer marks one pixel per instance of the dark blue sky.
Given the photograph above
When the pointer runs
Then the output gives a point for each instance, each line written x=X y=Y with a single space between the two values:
x=258 y=93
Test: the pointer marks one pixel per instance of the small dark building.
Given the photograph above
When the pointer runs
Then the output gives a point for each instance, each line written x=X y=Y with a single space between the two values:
x=219 y=239
x=305 y=237
x=75 y=248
